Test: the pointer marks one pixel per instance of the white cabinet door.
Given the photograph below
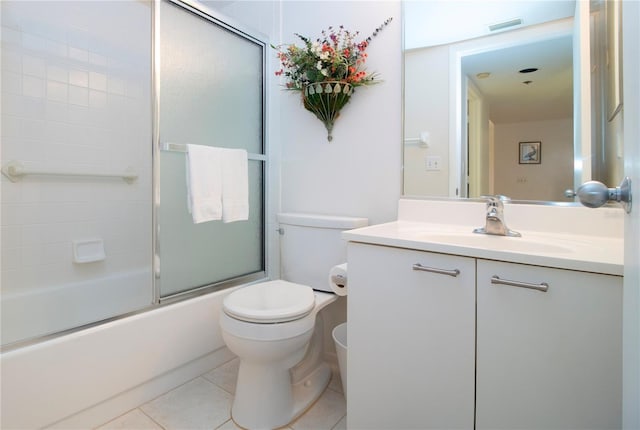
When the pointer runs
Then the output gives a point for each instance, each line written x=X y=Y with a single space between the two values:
x=548 y=360
x=411 y=340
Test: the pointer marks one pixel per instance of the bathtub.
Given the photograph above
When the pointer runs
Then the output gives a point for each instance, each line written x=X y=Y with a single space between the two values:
x=57 y=308
x=88 y=377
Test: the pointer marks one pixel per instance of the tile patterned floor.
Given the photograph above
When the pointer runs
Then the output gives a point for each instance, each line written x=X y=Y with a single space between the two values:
x=205 y=403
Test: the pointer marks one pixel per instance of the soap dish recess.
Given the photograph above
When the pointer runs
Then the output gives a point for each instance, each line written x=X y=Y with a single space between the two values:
x=88 y=251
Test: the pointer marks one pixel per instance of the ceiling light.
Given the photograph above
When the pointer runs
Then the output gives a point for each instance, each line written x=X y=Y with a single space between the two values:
x=483 y=75
x=529 y=70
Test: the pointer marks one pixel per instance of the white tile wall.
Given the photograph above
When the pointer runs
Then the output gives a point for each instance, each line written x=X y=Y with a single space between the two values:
x=76 y=82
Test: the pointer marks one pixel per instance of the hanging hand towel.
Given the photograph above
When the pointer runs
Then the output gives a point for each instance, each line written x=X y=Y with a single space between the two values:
x=235 y=185
x=204 y=185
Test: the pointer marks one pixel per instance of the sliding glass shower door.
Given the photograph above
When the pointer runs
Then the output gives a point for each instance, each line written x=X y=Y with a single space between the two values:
x=79 y=223
x=210 y=87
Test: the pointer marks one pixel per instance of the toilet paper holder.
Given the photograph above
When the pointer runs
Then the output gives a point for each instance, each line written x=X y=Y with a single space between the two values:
x=339 y=280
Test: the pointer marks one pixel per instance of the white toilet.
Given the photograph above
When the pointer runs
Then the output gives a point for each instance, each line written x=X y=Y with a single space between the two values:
x=275 y=327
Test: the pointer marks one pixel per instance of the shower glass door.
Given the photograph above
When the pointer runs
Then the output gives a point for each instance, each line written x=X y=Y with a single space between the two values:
x=211 y=91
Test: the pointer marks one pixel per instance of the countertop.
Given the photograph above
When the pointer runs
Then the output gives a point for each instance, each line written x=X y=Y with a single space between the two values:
x=587 y=253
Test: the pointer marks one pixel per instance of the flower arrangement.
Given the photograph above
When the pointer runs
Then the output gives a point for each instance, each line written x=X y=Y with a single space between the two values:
x=336 y=56
x=327 y=70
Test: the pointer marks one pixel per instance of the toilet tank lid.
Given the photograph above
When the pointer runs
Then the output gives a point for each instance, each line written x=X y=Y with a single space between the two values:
x=322 y=221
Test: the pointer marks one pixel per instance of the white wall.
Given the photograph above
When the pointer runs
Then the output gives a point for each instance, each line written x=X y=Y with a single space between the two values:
x=358 y=173
x=427 y=109
x=545 y=181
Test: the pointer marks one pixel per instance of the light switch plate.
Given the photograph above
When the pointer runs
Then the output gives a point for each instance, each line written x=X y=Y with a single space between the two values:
x=433 y=162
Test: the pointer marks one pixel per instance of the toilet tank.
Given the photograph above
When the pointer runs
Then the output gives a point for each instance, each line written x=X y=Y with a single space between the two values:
x=310 y=245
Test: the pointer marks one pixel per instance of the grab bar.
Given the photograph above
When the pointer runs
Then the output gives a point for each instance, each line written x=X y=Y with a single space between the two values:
x=181 y=147
x=15 y=170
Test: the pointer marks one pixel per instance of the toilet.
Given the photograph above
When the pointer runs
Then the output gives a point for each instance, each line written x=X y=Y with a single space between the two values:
x=276 y=329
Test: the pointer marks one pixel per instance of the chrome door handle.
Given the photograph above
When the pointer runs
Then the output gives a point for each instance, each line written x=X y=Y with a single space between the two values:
x=543 y=286
x=594 y=194
x=449 y=272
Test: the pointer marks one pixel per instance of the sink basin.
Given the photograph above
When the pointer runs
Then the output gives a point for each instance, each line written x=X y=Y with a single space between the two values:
x=500 y=243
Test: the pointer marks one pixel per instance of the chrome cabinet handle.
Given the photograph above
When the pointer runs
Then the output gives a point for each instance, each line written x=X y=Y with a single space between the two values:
x=420 y=267
x=543 y=286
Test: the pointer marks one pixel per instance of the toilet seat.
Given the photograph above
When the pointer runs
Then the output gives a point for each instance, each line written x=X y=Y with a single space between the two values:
x=270 y=302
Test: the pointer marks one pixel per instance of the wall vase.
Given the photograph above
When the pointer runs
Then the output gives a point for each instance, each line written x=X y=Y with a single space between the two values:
x=325 y=99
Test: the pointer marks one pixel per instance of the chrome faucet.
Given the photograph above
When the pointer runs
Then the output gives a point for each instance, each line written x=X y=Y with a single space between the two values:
x=495 y=223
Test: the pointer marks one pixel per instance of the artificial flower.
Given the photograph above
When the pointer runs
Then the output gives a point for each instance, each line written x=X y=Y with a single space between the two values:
x=335 y=56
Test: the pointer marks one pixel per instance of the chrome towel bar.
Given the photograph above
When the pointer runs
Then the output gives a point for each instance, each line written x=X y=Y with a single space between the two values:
x=181 y=147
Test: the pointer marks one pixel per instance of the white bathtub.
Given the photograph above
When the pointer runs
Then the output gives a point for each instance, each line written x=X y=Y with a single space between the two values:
x=88 y=377
x=57 y=308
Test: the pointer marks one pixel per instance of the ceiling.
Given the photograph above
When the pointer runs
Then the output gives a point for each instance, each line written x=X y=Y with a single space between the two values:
x=438 y=22
x=549 y=95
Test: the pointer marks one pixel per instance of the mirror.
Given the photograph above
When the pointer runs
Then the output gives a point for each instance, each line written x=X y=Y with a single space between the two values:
x=506 y=97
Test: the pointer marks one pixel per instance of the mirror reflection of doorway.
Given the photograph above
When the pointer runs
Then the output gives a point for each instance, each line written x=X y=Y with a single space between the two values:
x=479 y=146
x=520 y=93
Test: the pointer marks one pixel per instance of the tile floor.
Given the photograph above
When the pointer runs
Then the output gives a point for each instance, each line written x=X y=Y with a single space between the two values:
x=205 y=403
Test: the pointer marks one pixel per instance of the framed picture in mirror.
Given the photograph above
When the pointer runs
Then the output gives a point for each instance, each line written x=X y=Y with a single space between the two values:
x=529 y=152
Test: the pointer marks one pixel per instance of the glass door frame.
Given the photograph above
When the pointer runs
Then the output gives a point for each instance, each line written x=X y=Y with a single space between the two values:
x=252 y=36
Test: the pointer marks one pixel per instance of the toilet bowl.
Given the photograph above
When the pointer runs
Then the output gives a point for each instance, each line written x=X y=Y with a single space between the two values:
x=270 y=327
x=276 y=327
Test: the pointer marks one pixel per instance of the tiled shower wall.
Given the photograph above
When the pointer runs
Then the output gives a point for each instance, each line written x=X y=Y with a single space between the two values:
x=76 y=95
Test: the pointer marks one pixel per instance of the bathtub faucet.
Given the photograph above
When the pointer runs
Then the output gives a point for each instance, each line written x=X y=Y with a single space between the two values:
x=495 y=223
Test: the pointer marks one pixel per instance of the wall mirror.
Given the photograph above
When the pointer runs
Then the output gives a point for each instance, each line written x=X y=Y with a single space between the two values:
x=510 y=97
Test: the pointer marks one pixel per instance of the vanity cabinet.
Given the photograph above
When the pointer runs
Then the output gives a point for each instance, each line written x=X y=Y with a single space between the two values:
x=411 y=339
x=548 y=360
x=430 y=350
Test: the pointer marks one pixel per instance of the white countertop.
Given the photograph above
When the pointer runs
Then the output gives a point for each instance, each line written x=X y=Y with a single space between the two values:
x=570 y=249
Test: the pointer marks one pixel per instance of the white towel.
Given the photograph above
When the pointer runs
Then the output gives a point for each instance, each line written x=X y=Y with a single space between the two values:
x=204 y=185
x=235 y=185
